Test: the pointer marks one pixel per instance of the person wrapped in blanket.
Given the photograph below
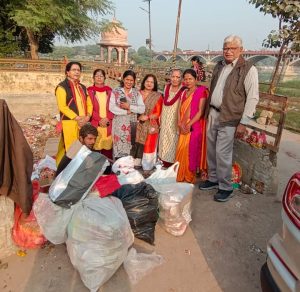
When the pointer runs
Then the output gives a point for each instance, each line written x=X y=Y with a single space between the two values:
x=87 y=136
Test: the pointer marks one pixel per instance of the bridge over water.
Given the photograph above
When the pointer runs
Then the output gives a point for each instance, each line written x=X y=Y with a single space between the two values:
x=208 y=57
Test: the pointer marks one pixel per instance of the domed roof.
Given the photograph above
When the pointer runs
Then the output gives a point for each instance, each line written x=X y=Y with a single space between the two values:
x=118 y=36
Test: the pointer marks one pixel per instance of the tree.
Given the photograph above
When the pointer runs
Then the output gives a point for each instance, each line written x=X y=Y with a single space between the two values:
x=287 y=37
x=72 y=20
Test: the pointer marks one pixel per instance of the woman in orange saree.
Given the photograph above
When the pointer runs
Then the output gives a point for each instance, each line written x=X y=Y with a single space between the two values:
x=190 y=151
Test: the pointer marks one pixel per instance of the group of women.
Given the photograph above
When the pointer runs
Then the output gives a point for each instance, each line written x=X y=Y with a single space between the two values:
x=141 y=122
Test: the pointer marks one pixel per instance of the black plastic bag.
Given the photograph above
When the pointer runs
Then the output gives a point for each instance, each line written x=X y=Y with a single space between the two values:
x=141 y=204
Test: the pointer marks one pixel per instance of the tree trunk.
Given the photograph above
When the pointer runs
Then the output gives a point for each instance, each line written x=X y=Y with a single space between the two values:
x=33 y=44
x=276 y=77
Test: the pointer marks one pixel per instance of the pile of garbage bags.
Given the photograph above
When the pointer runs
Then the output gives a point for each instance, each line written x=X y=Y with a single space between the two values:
x=96 y=231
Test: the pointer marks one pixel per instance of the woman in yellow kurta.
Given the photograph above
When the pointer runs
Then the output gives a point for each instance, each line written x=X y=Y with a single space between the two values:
x=101 y=117
x=74 y=105
x=191 y=124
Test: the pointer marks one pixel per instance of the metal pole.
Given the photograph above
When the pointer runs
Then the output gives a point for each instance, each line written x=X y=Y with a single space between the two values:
x=177 y=33
x=150 y=38
x=149 y=21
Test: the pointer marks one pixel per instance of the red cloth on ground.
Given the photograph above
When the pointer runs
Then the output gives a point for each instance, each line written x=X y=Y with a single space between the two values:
x=107 y=185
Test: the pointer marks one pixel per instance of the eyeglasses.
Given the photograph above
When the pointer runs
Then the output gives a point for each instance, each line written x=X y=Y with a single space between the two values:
x=99 y=76
x=230 y=49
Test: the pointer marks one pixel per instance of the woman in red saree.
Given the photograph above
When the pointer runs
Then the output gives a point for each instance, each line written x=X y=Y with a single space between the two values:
x=101 y=116
x=144 y=149
x=191 y=152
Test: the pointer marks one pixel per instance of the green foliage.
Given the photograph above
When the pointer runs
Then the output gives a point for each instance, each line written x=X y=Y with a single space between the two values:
x=72 y=20
x=288 y=13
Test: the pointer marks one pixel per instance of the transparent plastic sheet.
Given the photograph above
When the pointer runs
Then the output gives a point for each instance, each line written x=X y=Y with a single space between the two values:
x=99 y=236
x=137 y=265
x=47 y=162
x=7 y=246
x=76 y=180
x=141 y=204
x=52 y=219
x=175 y=206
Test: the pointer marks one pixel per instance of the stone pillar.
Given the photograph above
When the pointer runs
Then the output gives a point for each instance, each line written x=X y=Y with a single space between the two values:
x=101 y=54
x=126 y=55
x=119 y=55
x=109 y=49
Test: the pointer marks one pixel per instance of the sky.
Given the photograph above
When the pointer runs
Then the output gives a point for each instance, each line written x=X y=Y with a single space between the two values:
x=203 y=24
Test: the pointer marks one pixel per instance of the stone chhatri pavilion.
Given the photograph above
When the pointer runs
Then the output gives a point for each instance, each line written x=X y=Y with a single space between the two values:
x=116 y=39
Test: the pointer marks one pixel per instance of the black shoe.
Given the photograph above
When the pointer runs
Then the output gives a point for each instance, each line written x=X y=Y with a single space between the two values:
x=223 y=195
x=208 y=185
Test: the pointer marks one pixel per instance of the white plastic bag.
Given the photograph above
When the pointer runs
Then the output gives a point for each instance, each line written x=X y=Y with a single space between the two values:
x=175 y=206
x=52 y=219
x=132 y=178
x=7 y=246
x=124 y=168
x=137 y=265
x=99 y=236
x=123 y=165
x=163 y=176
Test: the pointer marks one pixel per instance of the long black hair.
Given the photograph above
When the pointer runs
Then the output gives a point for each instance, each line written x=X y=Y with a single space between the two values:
x=127 y=73
x=197 y=59
x=190 y=71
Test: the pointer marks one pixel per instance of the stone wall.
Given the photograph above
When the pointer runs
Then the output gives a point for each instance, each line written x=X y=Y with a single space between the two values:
x=259 y=167
x=37 y=82
x=33 y=82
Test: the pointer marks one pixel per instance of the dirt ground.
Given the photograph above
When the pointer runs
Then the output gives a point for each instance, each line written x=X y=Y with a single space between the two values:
x=232 y=236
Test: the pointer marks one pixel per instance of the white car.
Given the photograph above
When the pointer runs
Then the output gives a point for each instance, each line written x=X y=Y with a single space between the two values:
x=281 y=272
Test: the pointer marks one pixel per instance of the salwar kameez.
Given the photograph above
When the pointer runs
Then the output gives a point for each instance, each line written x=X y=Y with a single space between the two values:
x=124 y=124
x=70 y=129
x=100 y=97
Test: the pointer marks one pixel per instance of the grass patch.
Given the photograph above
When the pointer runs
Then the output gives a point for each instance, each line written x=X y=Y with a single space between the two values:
x=291 y=89
x=288 y=88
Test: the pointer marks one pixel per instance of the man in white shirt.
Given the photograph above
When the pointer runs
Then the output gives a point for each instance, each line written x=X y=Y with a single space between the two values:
x=231 y=104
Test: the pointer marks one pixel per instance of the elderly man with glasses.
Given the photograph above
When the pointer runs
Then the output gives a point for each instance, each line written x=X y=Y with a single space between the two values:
x=231 y=104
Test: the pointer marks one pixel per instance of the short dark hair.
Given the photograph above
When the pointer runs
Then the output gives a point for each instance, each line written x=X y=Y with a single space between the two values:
x=88 y=129
x=70 y=64
x=127 y=73
x=155 y=82
x=99 y=70
x=190 y=71
x=196 y=58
